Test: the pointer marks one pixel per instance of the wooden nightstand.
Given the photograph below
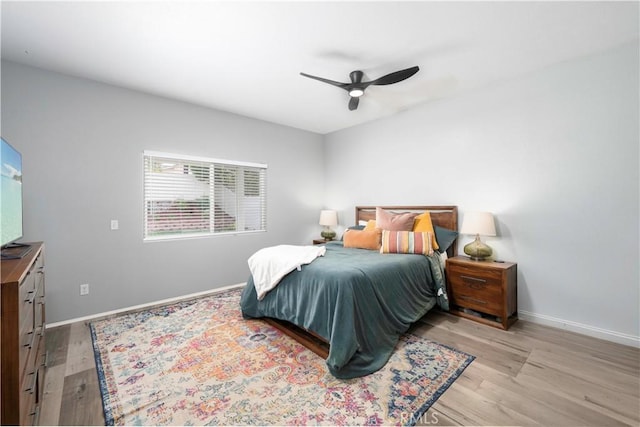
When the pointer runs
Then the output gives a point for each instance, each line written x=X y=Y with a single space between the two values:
x=320 y=241
x=484 y=291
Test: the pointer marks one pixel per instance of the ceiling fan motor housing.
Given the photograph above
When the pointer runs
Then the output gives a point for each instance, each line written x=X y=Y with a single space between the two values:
x=356 y=76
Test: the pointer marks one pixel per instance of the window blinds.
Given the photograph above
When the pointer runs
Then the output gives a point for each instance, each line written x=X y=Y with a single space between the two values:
x=189 y=196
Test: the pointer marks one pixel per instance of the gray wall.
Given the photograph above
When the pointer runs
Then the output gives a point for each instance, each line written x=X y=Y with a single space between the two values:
x=554 y=155
x=82 y=146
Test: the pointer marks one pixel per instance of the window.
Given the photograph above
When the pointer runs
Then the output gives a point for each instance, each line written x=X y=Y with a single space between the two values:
x=187 y=196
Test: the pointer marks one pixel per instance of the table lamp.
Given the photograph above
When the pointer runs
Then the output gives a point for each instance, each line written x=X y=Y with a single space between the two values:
x=328 y=219
x=480 y=224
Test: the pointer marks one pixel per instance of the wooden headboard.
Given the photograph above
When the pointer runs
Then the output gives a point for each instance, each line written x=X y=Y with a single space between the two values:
x=443 y=216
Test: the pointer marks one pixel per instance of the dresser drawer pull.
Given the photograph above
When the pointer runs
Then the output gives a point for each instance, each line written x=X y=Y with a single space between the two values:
x=473 y=282
x=473 y=279
x=35 y=414
x=31 y=297
x=475 y=300
x=32 y=387
x=30 y=343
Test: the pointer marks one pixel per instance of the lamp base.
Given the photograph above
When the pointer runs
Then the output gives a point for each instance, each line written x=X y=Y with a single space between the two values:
x=477 y=250
x=328 y=234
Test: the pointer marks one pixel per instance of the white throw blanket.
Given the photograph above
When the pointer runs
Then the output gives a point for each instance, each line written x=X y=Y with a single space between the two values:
x=269 y=265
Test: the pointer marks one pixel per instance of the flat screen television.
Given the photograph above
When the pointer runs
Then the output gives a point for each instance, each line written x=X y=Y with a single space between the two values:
x=11 y=201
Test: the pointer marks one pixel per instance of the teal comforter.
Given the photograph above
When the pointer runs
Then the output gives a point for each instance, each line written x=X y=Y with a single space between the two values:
x=359 y=300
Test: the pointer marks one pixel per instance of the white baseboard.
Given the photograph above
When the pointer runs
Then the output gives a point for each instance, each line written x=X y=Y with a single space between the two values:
x=143 y=306
x=592 y=331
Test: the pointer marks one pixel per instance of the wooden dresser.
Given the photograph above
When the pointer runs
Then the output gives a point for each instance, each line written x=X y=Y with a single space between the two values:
x=22 y=353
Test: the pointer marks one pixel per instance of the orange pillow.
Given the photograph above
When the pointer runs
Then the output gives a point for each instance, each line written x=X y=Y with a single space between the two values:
x=423 y=224
x=371 y=225
x=362 y=239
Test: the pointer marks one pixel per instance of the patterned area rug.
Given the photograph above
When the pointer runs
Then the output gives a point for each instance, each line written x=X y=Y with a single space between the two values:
x=199 y=362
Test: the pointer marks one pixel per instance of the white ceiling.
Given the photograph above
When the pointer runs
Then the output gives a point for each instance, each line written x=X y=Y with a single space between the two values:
x=245 y=57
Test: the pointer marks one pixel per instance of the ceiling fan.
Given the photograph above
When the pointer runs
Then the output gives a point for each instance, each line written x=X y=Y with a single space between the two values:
x=357 y=86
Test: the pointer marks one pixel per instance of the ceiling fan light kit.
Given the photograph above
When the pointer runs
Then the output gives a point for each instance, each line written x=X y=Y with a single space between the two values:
x=357 y=86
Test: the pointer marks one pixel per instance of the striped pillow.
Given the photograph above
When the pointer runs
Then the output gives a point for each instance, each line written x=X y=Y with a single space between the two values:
x=406 y=242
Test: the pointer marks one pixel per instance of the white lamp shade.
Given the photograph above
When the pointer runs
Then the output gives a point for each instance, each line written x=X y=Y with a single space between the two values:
x=478 y=223
x=328 y=218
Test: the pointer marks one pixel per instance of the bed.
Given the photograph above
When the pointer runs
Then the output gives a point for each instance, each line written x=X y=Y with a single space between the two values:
x=352 y=305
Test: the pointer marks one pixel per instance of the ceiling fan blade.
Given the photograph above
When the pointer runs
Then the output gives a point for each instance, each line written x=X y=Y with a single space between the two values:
x=353 y=103
x=331 y=82
x=396 y=77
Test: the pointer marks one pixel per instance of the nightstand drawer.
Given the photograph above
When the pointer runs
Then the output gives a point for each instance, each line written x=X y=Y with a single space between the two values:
x=475 y=276
x=478 y=290
x=476 y=286
x=477 y=302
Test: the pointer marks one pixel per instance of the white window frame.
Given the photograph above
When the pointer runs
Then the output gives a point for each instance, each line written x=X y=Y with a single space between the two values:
x=154 y=187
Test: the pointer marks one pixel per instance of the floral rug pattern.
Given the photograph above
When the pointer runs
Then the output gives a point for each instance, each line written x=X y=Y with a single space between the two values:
x=199 y=362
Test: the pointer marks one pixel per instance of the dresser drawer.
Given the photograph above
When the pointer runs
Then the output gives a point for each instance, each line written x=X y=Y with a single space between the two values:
x=41 y=365
x=31 y=383
x=28 y=398
x=39 y=262
x=28 y=340
x=27 y=296
x=38 y=308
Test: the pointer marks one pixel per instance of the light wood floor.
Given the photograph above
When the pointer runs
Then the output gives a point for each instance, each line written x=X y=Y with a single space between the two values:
x=528 y=375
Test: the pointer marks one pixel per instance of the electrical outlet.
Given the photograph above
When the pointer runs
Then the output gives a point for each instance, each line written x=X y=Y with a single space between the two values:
x=84 y=289
x=114 y=224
